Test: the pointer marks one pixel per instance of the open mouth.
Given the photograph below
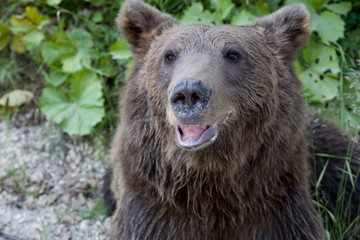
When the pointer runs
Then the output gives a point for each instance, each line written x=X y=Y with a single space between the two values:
x=193 y=136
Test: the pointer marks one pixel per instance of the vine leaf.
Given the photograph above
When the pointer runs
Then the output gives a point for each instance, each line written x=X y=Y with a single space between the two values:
x=340 y=8
x=55 y=78
x=329 y=26
x=53 y=2
x=17 y=44
x=242 y=18
x=196 y=14
x=224 y=9
x=32 y=39
x=29 y=21
x=4 y=35
x=80 y=109
x=121 y=49
x=320 y=77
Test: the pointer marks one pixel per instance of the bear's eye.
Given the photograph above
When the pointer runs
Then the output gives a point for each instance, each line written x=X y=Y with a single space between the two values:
x=169 y=57
x=232 y=55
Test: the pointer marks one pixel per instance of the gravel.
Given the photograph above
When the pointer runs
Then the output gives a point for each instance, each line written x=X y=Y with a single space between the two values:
x=50 y=183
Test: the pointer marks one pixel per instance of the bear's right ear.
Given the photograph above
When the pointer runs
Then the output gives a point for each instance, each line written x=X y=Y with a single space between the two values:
x=286 y=30
x=140 y=23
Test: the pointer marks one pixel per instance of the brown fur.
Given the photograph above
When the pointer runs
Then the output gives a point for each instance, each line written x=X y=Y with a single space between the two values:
x=249 y=183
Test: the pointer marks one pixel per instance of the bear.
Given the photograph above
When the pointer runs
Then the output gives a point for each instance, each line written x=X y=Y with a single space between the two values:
x=215 y=141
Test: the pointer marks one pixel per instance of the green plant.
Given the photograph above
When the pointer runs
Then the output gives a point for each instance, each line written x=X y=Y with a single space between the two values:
x=338 y=223
x=76 y=43
x=74 y=68
x=16 y=179
x=98 y=209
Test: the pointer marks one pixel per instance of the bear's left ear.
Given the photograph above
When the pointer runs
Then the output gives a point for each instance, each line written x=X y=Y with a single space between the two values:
x=140 y=23
x=286 y=30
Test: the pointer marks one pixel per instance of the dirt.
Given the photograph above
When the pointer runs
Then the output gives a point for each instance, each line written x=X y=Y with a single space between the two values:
x=50 y=183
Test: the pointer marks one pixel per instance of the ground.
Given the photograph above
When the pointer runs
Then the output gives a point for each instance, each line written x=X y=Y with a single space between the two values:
x=50 y=183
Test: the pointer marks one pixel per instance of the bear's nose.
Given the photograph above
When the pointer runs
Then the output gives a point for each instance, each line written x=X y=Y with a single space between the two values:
x=189 y=98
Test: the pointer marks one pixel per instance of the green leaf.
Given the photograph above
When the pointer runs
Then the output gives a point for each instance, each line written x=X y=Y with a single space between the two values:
x=34 y=16
x=317 y=4
x=72 y=64
x=121 y=49
x=321 y=58
x=82 y=109
x=56 y=78
x=29 y=21
x=224 y=8
x=85 y=84
x=33 y=39
x=329 y=26
x=70 y=52
x=98 y=17
x=80 y=57
x=260 y=9
x=195 y=14
x=53 y=2
x=273 y=4
x=340 y=8
x=54 y=104
x=98 y=2
x=242 y=18
x=82 y=38
x=298 y=67
x=17 y=44
x=319 y=87
x=307 y=3
x=320 y=78
x=4 y=35
x=50 y=53
x=21 y=25
x=106 y=67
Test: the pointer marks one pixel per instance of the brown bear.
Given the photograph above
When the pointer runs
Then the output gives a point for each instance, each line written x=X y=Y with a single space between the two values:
x=214 y=140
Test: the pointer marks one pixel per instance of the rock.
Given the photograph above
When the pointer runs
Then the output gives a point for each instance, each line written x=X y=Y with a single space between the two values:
x=39 y=175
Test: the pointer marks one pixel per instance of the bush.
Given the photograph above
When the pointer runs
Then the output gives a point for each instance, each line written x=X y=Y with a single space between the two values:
x=75 y=49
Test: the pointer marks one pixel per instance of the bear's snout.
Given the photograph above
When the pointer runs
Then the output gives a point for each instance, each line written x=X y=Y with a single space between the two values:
x=189 y=98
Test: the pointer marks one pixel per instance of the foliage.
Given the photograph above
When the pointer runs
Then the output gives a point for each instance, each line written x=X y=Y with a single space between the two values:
x=77 y=48
x=73 y=67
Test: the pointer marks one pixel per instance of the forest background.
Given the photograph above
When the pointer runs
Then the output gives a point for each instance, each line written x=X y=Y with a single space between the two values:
x=69 y=54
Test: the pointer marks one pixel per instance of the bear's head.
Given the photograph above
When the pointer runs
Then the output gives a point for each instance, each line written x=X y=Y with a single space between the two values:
x=207 y=83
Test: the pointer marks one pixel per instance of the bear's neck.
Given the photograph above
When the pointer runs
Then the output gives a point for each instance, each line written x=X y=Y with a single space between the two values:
x=213 y=182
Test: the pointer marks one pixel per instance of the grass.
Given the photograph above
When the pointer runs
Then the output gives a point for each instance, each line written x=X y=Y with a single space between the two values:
x=338 y=223
x=16 y=178
x=98 y=210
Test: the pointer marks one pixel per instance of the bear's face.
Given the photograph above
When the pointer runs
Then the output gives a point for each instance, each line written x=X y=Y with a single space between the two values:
x=205 y=81
x=206 y=76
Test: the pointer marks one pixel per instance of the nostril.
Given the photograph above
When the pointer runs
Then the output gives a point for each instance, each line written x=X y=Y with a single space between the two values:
x=179 y=98
x=195 y=98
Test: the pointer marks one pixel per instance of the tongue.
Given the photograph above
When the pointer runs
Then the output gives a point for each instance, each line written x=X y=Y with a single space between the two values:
x=192 y=132
x=192 y=136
